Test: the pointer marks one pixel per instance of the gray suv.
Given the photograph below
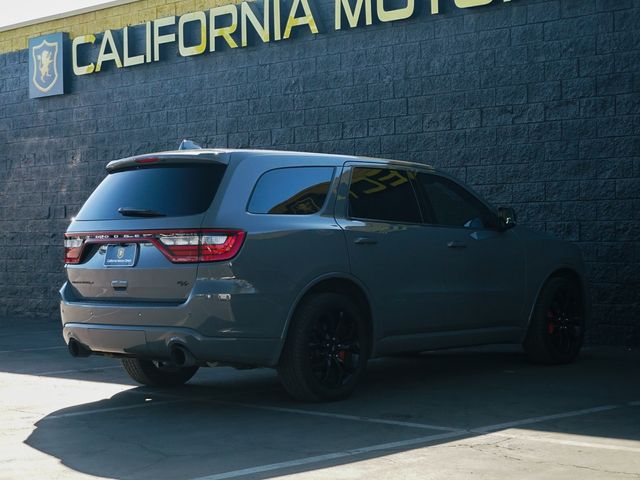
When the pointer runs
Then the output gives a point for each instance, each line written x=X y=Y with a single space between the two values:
x=309 y=263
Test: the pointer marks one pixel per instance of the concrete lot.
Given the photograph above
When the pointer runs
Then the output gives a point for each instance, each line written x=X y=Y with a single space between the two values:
x=481 y=413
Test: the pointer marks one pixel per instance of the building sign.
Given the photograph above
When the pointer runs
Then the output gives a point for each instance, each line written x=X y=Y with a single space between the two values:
x=223 y=27
x=46 y=65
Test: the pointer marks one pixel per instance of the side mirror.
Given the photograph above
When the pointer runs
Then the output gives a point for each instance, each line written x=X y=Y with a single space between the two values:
x=507 y=216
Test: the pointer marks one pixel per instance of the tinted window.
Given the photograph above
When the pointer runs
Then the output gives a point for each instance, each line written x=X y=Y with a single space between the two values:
x=383 y=194
x=291 y=191
x=452 y=205
x=173 y=190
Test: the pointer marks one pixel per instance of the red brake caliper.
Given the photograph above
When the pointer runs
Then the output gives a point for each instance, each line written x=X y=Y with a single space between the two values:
x=550 y=326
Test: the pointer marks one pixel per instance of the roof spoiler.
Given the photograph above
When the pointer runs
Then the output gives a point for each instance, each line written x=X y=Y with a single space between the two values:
x=206 y=156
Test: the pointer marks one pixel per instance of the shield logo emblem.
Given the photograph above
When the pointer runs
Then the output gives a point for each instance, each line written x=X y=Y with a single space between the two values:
x=45 y=60
x=120 y=253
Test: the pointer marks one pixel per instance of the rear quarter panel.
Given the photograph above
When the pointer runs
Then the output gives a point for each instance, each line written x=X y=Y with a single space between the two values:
x=281 y=256
x=546 y=255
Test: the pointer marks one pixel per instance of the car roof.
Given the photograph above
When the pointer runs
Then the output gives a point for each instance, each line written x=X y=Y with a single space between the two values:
x=228 y=155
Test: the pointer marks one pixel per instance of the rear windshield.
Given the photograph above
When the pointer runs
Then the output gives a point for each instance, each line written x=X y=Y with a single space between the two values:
x=169 y=190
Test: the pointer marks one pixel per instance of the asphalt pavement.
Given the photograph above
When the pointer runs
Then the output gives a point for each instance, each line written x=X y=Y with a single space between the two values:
x=484 y=413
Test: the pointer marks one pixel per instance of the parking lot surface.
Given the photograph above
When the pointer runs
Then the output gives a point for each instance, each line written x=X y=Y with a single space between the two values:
x=475 y=413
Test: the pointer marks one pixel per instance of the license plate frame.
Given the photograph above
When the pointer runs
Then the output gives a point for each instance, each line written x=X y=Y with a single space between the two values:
x=121 y=255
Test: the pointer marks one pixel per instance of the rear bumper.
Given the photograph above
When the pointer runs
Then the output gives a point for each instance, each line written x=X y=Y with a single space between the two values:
x=155 y=343
x=204 y=325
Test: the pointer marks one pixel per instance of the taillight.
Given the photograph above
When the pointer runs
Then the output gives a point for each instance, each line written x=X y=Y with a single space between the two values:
x=73 y=249
x=202 y=246
x=220 y=245
x=179 y=246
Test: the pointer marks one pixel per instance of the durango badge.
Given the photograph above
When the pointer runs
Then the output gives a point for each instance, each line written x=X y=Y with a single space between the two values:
x=46 y=72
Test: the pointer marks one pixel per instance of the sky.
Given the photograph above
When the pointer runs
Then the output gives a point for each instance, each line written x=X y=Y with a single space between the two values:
x=12 y=11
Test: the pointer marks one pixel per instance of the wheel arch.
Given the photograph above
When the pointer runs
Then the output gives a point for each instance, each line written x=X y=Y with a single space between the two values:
x=337 y=283
x=564 y=271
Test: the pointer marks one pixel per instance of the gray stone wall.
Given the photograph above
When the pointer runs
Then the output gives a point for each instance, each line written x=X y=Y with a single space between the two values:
x=535 y=103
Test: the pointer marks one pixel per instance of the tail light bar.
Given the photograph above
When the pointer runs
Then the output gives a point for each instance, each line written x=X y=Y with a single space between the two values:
x=179 y=246
x=72 y=249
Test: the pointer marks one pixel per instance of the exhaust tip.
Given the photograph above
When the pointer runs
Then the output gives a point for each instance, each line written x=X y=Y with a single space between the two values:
x=181 y=357
x=76 y=349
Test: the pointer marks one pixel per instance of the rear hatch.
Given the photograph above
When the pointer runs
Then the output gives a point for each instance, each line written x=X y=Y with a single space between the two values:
x=138 y=237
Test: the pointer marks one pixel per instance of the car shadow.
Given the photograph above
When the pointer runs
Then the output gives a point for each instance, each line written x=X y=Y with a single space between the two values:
x=241 y=421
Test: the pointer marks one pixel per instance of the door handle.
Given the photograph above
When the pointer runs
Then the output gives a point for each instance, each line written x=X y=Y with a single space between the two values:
x=365 y=241
x=456 y=244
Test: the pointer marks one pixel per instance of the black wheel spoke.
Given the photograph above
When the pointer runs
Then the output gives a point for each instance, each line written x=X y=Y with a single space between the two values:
x=337 y=371
x=564 y=320
x=334 y=325
x=334 y=348
x=326 y=367
x=350 y=364
x=351 y=346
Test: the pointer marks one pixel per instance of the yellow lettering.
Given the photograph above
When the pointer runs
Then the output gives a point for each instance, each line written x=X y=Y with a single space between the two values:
x=224 y=32
x=276 y=20
x=471 y=3
x=129 y=61
x=397 y=13
x=246 y=12
x=306 y=19
x=103 y=56
x=353 y=16
x=162 y=39
x=148 y=42
x=81 y=40
x=200 y=47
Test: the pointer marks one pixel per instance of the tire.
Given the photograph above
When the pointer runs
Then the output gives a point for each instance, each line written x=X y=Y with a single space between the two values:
x=556 y=330
x=326 y=351
x=157 y=374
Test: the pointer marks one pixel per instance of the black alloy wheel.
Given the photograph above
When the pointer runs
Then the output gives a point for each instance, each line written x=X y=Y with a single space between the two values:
x=334 y=348
x=327 y=348
x=557 y=327
x=564 y=320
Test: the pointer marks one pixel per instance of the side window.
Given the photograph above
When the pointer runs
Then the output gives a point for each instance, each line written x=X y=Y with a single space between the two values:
x=383 y=194
x=291 y=191
x=452 y=205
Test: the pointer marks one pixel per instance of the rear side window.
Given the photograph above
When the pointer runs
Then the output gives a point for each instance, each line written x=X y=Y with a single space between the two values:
x=169 y=190
x=291 y=191
x=383 y=194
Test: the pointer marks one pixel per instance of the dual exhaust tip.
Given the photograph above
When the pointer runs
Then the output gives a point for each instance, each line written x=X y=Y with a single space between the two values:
x=76 y=349
x=179 y=354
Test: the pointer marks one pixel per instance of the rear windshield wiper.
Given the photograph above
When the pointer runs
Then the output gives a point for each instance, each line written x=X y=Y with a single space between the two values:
x=139 y=212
